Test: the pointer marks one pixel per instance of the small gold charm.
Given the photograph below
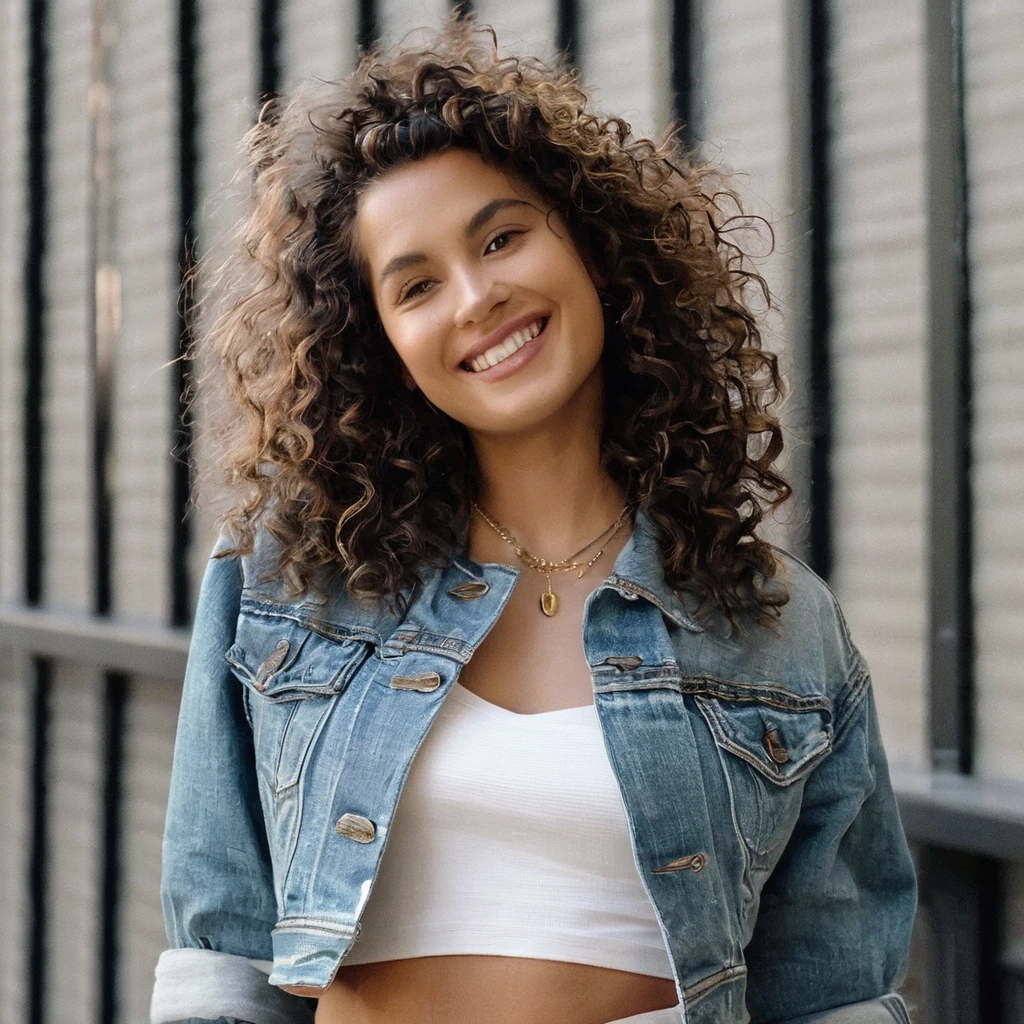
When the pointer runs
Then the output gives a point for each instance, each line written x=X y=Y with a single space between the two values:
x=549 y=601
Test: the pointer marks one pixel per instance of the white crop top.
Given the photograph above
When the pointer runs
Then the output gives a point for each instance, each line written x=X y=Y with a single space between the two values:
x=511 y=839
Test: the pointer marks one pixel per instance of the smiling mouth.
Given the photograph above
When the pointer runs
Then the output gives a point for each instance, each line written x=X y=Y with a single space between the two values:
x=500 y=352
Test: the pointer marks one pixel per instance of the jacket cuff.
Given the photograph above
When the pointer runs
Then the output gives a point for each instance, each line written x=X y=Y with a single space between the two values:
x=887 y=1009
x=202 y=986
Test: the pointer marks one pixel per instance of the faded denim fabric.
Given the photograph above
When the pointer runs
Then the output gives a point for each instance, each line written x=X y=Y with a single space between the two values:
x=751 y=768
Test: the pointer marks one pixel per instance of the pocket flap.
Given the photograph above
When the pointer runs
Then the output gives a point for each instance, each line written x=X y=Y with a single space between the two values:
x=782 y=743
x=281 y=659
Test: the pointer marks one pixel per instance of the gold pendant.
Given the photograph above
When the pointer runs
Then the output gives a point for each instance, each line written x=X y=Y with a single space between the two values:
x=549 y=601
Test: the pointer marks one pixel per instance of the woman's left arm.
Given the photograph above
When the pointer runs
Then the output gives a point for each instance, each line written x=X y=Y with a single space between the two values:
x=833 y=931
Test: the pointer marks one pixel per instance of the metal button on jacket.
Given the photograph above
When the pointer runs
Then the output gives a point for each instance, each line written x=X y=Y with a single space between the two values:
x=271 y=663
x=356 y=827
x=773 y=744
x=470 y=590
x=693 y=862
x=425 y=682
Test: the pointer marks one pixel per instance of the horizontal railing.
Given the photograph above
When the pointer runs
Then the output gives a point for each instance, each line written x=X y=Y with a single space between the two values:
x=109 y=644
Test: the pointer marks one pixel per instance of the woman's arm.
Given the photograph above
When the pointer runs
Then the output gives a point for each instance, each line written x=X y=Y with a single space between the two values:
x=833 y=930
x=217 y=886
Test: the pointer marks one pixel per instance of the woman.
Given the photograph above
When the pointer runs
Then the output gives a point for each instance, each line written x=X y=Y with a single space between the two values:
x=503 y=418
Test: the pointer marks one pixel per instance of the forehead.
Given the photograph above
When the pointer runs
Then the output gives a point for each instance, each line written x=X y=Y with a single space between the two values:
x=428 y=199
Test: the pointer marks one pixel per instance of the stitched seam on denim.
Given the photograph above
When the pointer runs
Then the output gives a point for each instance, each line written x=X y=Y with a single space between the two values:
x=758 y=693
x=333 y=631
x=895 y=1005
x=744 y=843
x=731 y=691
x=619 y=679
x=431 y=643
x=312 y=925
x=328 y=630
x=857 y=691
x=698 y=991
x=268 y=610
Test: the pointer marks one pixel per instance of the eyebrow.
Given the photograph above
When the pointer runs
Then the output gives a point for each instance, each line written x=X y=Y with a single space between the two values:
x=473 y=225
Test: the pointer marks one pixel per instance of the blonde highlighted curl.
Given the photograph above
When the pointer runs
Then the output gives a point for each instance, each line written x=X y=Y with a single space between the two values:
x=360 y=478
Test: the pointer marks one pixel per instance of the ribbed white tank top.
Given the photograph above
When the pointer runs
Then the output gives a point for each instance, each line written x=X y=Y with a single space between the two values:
x=510 y=839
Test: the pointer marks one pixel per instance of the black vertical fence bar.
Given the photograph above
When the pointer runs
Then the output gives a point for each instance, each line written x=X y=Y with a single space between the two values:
x=567 y=30
x=270 y=31
x=182 y=379
x=367 y=25
x=114 y=700
x=33 y=451
x=819 y=362
x=683 y=51
x=949 y=317
x=39 y=858
x=36 y=175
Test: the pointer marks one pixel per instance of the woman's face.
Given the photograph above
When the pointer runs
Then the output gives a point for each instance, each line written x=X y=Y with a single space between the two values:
x=467 y=266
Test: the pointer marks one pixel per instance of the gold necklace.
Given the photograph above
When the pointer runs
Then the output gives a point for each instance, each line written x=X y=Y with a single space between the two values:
x=549 y=600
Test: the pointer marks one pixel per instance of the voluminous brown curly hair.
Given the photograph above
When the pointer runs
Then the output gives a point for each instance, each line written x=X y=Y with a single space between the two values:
x=354 y=474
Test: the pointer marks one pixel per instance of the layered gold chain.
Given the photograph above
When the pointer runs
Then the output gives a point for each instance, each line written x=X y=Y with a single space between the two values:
x=549 y=600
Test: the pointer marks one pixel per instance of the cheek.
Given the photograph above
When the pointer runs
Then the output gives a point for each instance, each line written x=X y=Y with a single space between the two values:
x=415 y=345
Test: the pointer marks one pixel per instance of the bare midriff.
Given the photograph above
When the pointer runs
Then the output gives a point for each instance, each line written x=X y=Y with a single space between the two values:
x=488 y=990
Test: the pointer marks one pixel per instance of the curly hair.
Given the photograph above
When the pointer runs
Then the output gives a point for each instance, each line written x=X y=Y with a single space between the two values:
x=361 y=478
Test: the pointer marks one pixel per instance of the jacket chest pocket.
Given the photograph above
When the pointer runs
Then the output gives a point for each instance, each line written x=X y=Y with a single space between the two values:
x=767 y=748
x=292 y=678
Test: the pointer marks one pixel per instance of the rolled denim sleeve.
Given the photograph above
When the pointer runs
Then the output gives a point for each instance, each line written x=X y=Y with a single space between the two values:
x=832 y=935
x=217 y=885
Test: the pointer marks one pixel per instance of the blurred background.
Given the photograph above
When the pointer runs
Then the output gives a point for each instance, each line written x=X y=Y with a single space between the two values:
x=884 y=142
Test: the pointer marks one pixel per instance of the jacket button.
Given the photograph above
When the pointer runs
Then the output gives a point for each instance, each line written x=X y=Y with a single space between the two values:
x=626 y=663
x=691 y=862
x=470 y=590
x=271 y=663
x=773 y=744
x=425 y=682
x=356 y=827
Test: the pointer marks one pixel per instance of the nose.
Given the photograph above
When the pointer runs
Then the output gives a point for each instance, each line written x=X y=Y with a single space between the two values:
x=477 y=293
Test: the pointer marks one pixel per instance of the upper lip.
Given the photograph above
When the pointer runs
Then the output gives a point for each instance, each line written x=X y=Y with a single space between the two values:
x=500 y=334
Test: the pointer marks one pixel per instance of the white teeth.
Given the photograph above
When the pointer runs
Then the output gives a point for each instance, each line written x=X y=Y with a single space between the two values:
x=513 y=343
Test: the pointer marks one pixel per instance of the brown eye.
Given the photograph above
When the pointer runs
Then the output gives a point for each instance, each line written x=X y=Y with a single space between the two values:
x=504 y=238
x=411 y=292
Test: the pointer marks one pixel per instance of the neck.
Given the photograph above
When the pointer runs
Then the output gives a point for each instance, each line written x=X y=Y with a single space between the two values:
x=547 y=487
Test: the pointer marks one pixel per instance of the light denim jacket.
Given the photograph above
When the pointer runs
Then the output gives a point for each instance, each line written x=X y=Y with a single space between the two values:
x=755 y=785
